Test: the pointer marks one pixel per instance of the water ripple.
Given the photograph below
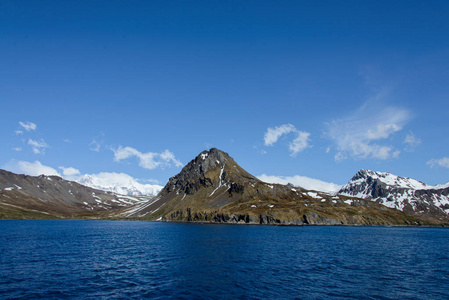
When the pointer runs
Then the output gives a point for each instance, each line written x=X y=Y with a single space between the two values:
x=116 y=260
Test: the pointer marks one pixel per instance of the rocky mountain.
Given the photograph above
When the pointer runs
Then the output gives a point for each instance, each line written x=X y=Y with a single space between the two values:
x=23 y=197
x=406 y=194
x=214 y=188
x=122 y=184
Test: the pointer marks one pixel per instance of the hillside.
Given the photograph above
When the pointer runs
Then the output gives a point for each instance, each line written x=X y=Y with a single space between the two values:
x=37 y=197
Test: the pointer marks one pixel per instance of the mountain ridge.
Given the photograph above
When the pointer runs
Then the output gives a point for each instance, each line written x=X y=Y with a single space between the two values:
x=403 y=193
x=214 y=188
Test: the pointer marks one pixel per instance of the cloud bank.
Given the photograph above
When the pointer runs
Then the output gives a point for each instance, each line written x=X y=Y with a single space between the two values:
x=35 y=168
x=302 y=181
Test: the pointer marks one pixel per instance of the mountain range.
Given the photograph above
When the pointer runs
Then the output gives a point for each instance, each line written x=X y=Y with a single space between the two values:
x=214 y=188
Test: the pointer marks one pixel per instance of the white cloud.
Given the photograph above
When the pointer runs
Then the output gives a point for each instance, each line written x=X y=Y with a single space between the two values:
x=149 y=160
x=302 y=181
x=357 y=134
x=18 y=149
x=70 y=173
x=170 y=157
x=38 y=146
x=411 y=142
x=30 y=168
x=273 y=134
x=18 y=132
x=28 y=126
x=300 y=142
x=442 y=162
x=67 y=141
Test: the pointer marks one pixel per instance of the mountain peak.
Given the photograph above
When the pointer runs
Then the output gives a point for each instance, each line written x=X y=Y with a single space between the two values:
x=211 y=158
x=212 y=168
x=387 y=179
x=403 y=193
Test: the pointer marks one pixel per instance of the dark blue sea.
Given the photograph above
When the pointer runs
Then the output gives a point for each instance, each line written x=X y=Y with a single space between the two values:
x=127 y=259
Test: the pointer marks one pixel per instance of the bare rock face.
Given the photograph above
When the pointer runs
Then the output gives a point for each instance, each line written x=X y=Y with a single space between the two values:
x=214 y=188
x=406 y=194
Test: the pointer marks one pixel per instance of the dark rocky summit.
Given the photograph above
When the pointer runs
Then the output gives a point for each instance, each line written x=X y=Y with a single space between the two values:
x=214 y=188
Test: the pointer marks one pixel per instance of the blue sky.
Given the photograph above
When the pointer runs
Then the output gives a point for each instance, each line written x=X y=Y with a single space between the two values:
x=318 y=89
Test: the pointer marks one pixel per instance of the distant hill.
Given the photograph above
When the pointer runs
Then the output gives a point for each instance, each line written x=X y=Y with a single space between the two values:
x=214 y=188
x=37 y=197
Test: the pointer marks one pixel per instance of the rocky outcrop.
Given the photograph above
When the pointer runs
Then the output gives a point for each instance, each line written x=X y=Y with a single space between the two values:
x=279 y=218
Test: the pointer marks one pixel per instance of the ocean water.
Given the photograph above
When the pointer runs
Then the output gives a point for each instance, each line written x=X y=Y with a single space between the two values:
x=134 y=259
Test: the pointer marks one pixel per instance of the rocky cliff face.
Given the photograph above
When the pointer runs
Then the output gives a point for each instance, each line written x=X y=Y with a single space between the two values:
x=23 y=196
x=405 y=194
x=214 y=188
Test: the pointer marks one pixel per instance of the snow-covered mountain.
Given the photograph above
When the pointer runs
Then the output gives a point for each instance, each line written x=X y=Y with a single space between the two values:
x=406 y=194
x=23 y=197
x=119 y=183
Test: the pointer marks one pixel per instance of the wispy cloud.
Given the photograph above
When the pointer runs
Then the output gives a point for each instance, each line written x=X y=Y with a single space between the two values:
x=442 y=162
x=302 y=181
x=299 y=143
x=359 y=134
x=149 y=160
x=95 y=146
x=28 y=126
x=18 y=149
x=38 y=146
x=97 y=142
x=411 y=142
